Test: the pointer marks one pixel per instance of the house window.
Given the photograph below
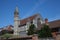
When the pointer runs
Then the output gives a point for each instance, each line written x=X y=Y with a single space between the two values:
x=59 y=29
x=23 y=33
x=21 y=25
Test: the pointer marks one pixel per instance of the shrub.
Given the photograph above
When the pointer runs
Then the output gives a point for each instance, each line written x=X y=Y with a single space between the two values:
x=45 y=32
x=31 y=29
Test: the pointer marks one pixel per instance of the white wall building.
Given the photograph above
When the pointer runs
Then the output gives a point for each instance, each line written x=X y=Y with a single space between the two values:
x=21 y=26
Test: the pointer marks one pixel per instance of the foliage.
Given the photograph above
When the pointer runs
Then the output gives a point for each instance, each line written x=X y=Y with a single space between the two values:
x=6 y=31
x=6 y=35
x=31 y=29
x=45 y=32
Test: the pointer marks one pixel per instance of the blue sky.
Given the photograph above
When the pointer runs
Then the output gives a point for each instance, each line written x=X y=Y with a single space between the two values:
x=47 y=8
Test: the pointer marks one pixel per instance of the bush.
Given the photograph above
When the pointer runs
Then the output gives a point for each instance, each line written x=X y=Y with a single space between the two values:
x=31 y=29
x=6 y=31
x=6 y=35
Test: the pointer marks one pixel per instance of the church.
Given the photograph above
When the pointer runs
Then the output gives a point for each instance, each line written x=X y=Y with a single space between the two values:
x=21 y=26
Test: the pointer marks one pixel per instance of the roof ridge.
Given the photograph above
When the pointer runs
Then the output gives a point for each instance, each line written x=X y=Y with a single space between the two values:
x=31 y=16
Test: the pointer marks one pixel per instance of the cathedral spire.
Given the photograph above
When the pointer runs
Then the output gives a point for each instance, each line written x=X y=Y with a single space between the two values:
x=16 y=12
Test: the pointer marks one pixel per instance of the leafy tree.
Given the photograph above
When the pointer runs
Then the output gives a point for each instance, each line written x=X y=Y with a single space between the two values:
x=45 y=32
x=31 y=29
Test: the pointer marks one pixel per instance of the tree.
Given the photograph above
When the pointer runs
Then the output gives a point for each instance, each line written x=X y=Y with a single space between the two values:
x=45 y=32
x=31 y=29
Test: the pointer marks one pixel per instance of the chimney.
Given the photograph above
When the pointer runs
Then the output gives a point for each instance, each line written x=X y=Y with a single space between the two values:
x=46 y=21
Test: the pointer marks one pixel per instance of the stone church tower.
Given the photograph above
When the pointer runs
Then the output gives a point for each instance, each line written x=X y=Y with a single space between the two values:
x=16 y=21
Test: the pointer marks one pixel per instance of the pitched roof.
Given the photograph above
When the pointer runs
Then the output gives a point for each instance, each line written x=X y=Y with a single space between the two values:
x=24 y=21
x=54 y=24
